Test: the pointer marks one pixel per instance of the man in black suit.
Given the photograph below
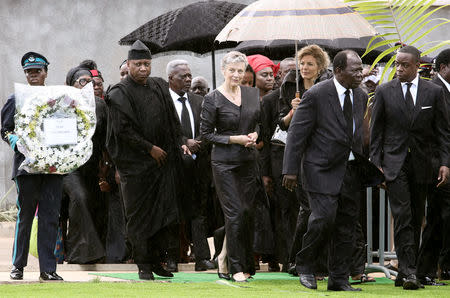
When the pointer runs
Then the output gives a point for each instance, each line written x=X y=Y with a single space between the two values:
x=324 y=137
x=435 y=246
x=409 y=118
x=188 y=106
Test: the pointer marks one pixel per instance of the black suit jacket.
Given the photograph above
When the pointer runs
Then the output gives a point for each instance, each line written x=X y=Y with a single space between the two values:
x=394 y=133
x=196 y=106
x=317 y=136
x=436 y=164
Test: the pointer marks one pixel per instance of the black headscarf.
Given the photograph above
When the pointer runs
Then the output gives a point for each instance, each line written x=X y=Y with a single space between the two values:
x=75 y=73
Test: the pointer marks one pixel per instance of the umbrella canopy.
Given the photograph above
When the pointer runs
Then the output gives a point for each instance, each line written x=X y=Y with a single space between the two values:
x=189 y=28
x=296 y=20
x=281 y=48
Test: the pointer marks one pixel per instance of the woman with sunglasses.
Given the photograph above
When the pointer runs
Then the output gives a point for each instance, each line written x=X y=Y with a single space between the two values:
x=82 y=202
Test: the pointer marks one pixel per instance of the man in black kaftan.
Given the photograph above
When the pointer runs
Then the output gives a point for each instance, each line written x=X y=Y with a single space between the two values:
x=144 y=139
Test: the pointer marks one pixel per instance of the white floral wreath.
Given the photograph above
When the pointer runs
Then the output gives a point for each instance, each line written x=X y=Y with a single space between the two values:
x=60 y=159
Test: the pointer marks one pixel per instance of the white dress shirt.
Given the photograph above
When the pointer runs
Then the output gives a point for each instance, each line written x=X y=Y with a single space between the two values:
x=341 y=93
x=412 y=89
x=179 y=108
x=447 y=84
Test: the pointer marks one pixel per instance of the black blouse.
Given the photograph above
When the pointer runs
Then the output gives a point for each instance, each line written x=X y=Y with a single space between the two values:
x=220 y=119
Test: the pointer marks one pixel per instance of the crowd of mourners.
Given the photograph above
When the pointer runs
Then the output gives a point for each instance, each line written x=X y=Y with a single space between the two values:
x=273 y=164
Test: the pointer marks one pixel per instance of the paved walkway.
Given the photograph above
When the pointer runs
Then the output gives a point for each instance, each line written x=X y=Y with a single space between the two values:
x=70 y=272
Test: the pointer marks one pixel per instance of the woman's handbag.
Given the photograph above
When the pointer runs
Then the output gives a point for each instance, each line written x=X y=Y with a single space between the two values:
x=279 y=136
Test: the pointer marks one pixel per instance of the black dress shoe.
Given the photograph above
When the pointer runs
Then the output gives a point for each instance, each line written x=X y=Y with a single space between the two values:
x=204 y=265
x=224 y=276
x=308 y=280
x=49 y=276
x=159 y=270
x=399 y=280
x=429 y=281
x=292 y=269
x=273 y=266
x=146 y=275
x=344 y=287
x=16 y=273
x=171 y=266
x=411 y=283
x=445 y=275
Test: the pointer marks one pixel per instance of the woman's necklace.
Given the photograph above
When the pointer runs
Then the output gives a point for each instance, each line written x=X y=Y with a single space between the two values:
x=232 y=95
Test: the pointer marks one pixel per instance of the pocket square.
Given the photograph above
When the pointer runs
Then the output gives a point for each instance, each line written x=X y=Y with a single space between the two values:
x=427 y=107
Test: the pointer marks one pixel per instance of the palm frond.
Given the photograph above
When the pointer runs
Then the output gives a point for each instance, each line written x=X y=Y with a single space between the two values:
x=401 y=21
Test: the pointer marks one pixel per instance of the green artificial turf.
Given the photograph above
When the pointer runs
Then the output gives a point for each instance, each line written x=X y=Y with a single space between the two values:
x=259 y=287
x=183 y=277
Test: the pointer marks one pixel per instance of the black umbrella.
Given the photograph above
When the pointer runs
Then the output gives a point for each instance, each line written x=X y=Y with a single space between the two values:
x=189 y=28
x=282 y=48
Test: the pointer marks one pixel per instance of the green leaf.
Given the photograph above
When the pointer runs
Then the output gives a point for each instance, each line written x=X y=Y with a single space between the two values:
x=377 y=17
x=373 y=11
x=385 y=53
x=426 y=32
x=386 y=68
x=382 y=22
x=379 y=44
x=392 y=73
x=414 y=17
x=436 y=47
x=408 y=10
x=421 y=20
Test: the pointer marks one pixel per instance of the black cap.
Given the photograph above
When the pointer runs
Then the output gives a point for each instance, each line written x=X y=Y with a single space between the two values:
x=34 y=60
x=139 y=51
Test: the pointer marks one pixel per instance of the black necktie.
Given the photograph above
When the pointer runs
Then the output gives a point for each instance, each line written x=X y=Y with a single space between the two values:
x=348 y=112
x=409 y=99
x=185 y=119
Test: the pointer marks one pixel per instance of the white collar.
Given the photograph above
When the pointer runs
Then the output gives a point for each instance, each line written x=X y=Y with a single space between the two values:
x=175 y=96
x=415 y=82
x=340 y=89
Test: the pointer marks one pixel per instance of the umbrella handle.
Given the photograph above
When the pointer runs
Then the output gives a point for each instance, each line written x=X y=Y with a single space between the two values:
x=297 y=94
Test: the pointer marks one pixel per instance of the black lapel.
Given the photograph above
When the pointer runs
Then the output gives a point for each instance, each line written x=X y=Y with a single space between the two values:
x=358 y=109
x=421 y=95
x=195 y=111
x=333 y=98
x=397 y=93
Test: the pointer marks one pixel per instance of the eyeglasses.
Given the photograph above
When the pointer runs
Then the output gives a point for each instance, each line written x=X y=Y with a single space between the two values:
x=83 y=81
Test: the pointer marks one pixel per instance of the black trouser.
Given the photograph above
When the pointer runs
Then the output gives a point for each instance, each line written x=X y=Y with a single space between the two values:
x=359 y=251
x=147 y=251
x=236 y=189
x=332 y=217
x=407 y=201
x=45 y=190
x=116 y=234
x=199 y=220
x=301 y=226
x=435 y=246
